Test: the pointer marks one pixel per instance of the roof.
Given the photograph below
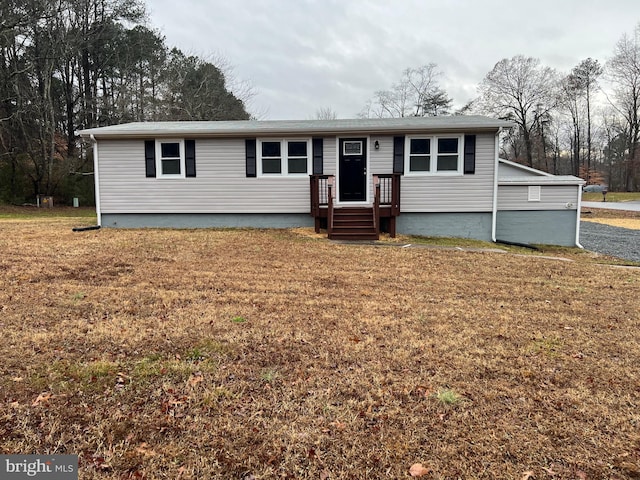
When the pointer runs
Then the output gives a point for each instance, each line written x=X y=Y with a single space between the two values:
x=531 y=176
x=542 y=180
x=524 y=168
x=266 y=127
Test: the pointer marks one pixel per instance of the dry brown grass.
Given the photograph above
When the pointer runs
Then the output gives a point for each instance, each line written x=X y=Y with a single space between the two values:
x=615 y=218
x=249 y=354
x=630 y=223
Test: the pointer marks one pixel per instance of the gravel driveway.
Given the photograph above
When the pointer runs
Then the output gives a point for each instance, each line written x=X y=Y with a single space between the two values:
x=616 y=241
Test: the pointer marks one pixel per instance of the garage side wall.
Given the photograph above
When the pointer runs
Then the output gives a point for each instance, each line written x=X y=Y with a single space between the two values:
x=546 y=227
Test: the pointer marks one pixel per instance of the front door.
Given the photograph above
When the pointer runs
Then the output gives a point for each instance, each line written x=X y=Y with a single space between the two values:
x=353 y=170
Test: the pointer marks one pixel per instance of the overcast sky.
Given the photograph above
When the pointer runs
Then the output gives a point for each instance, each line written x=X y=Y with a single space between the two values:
x=303 y=55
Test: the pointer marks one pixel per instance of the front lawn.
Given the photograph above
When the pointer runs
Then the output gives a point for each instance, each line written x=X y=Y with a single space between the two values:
x=246 y=354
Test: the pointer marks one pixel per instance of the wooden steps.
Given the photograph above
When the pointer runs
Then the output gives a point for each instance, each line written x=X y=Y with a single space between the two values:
x=353 y=223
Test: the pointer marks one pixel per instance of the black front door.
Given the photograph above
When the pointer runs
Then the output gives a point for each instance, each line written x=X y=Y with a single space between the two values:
x=353 y=169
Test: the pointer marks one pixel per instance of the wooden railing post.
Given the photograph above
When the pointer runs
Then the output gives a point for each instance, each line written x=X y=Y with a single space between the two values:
x=329 y=206
x=376 y=204
x=315 y=201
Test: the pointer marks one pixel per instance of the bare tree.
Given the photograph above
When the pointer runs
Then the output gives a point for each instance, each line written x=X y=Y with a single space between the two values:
x=522 y=90
x=569 y=105
x=325 y=113
x=623 y=69
x=417 y=94
x=584 y=79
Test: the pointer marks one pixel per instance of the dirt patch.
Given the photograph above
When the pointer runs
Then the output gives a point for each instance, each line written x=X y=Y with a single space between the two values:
x=275 y=354
x=631 y=223
x=588 y=213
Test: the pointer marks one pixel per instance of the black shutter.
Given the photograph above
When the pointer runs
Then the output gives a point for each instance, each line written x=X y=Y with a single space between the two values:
x=150 y=157
x=317 y=156
x=398 y=155
x=250 y=145
x=190 y=157
x=469 y=154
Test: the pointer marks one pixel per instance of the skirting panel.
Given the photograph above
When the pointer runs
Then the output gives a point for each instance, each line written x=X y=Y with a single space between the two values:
x=206 y=220
x=546 y=227
x=460 y=225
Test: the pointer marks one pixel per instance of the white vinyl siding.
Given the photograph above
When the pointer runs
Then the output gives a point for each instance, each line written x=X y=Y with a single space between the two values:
x=452 y=193
x=505 y=170
x=552 y=197
x=221 y=185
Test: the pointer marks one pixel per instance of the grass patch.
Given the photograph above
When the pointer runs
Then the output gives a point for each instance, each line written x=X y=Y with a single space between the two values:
x=24 y=213
x=611 y=196
x=449 y=242
x=447 y=396
x=120 y=346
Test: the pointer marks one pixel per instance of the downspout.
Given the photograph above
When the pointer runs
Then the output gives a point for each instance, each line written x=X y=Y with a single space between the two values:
x=578 y=217
x=96 y=176
x=494 y=211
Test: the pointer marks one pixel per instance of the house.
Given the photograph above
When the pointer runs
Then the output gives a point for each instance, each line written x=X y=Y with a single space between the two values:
x=434 y=176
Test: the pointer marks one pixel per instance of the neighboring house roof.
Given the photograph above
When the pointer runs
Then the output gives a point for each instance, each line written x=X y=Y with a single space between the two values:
x=266 y=127
x=531 y=176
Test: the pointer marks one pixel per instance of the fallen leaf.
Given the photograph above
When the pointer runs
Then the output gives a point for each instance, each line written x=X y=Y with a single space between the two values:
x=195 y=379
x=581 y=475
x=527 y=475
x=324 y=475
x=42 y=398
x=17 y=379
x=338 y=424
x=549 y=471
x=417 y=470
x=145 y=449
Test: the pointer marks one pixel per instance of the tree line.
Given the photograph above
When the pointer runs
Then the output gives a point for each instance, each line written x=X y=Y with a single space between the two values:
x=585 y=122
x=72 y=64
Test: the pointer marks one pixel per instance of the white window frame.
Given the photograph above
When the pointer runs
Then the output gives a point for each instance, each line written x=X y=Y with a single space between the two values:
x=159 y=173
x=433 y=156
x=534 y=193
x=284 y=157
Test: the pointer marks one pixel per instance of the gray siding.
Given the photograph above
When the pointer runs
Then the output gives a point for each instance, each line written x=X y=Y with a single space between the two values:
x=221 y=185
x=542 y=227
x=460 y=225
x=329 y=152
x=463 y=193
x=381 y=161
x=552 y=197
x=505 y=170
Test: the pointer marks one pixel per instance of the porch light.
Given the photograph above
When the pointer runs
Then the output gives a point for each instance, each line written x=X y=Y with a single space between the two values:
x=377 y=145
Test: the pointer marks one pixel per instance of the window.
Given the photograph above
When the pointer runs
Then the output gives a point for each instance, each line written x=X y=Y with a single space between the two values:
x=433 y=155
x=170 y=158
x=284 y=157
x=271 y=157
x=419 y=155
x=352 y=148
x=297 y=157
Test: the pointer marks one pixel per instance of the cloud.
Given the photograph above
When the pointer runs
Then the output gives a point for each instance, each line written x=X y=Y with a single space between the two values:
x=302 y=55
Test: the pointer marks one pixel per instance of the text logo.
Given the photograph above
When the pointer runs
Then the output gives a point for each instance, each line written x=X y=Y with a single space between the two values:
x=49 y=467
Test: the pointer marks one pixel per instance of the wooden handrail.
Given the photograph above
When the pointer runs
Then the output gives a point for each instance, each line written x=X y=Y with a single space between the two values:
x=390 y=191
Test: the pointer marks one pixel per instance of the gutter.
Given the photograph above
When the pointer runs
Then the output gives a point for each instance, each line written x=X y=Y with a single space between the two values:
x=578 y=217
x=494 y=210
x=96 y=177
